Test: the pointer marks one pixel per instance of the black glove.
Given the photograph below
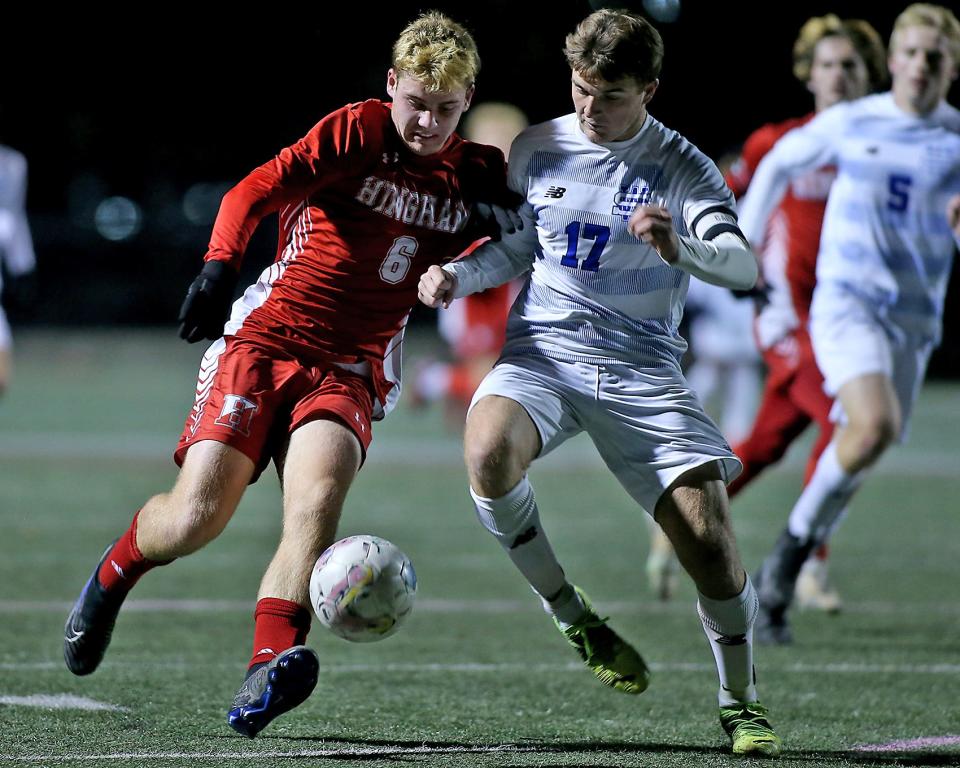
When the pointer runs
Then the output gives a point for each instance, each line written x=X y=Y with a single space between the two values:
x=500 y=217
x=208 y=300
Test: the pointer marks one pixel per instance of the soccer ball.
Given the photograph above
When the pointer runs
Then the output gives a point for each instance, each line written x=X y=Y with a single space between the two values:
x=362 y=588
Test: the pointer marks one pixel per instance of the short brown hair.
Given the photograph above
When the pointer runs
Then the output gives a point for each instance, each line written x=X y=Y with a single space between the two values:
x=438 y=52
x=861 y=35
x=613 y=44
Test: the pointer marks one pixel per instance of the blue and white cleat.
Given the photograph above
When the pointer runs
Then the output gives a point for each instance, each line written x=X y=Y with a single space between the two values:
x=90 y=624
x=270 y=690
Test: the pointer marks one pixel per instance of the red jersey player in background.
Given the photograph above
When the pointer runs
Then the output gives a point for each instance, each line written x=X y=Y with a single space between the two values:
x=838 y=60
x=310 y=353
x=475 y=327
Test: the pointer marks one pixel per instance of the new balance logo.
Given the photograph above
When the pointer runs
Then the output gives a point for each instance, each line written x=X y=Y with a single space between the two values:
x=391 y=158
x=118 y=569
x=555 y=193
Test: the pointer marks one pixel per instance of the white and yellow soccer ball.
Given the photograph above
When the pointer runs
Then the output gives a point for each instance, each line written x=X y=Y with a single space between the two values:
x=362 y=588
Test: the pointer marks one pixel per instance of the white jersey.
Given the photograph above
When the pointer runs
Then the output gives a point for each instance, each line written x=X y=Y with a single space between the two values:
x=596 y=294
x=16 y=245
x=885 y=234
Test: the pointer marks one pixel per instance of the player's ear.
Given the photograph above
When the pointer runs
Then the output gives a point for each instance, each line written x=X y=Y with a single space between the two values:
x=469 y=97
x=649 y=89
x=392 y=79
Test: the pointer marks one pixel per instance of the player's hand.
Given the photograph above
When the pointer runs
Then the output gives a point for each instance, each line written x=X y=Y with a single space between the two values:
x=507 y=220
x=207 y=303
x=653 y=225
x=436 y=287
x=953 y=214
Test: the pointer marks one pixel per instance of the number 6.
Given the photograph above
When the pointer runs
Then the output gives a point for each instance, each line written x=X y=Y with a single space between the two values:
x=399 y=258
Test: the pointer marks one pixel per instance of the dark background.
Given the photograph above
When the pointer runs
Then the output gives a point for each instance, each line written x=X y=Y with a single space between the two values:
x=152 y=104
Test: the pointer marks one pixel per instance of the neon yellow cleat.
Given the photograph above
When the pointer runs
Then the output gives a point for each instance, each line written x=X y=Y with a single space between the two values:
x=609 y=656
x=749 y=730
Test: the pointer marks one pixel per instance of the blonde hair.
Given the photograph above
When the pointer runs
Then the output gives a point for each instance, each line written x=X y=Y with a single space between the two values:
x=438 y=52
x=936 y=16
x=614 y=44
x=861 y=35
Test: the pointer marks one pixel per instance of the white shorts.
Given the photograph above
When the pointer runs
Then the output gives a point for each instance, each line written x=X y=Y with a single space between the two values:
x=852 y=339
x=648 y=426
x=6 y=340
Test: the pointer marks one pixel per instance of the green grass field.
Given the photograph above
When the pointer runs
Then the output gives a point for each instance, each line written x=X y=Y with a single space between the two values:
x=478 y=676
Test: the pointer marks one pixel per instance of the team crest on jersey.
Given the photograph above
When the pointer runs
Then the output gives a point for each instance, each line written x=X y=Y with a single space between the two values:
x=627 y=199
x=411 y=207
x=237 y=414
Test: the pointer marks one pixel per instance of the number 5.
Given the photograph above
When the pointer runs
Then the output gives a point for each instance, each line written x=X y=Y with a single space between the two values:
x=899 y=193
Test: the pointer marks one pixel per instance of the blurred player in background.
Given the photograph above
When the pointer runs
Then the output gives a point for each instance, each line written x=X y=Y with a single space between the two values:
x=17 y=260
x=837 y=60
x=889 y=234
x=310 y=354
x=473 y=328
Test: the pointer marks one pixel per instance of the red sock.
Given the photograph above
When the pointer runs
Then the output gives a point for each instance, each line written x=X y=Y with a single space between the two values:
x=125 y=564
x=278 y=625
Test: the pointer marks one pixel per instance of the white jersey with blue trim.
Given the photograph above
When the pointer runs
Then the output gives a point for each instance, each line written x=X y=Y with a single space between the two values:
x=885 y=233
x=596 y=294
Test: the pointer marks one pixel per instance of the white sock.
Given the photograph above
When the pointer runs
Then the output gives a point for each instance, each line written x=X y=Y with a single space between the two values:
x=823 y=501
x=514 y=521
x=728 y=625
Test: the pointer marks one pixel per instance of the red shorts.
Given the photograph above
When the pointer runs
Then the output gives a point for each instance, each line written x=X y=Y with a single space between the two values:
x=251 y=398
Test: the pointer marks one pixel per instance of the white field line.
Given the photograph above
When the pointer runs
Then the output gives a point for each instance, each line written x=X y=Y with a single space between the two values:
x=139 y=758
x=802 y=668
x=59 y=701
x=417 y=452
x=442 y=606
x=907 y=745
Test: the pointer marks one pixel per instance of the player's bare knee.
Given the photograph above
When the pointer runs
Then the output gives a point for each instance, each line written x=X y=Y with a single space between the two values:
x=492 y=464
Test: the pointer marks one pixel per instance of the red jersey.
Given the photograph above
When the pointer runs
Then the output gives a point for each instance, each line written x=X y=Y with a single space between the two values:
x=789 y=254
x=361 y=217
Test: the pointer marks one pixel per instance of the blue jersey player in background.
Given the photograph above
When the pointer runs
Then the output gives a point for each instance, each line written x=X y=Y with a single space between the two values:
x=886 y=249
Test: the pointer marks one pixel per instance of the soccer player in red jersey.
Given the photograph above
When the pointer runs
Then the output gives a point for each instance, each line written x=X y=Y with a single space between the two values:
x=838 y=60
x=310 y=353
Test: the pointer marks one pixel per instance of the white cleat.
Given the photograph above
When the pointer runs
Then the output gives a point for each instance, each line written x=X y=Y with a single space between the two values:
x=814 y=591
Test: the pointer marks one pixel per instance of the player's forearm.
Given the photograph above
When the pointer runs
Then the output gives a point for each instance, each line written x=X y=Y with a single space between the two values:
x=492 y=264
x=798 y=152
x=725 y=261
x=497 y=262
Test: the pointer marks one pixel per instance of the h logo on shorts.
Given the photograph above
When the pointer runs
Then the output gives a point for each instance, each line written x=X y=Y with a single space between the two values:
x=237 y=413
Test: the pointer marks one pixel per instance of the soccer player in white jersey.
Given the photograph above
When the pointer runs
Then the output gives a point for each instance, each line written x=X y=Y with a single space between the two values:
x=886 y=249
x=16 y=245
x=592 y=345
